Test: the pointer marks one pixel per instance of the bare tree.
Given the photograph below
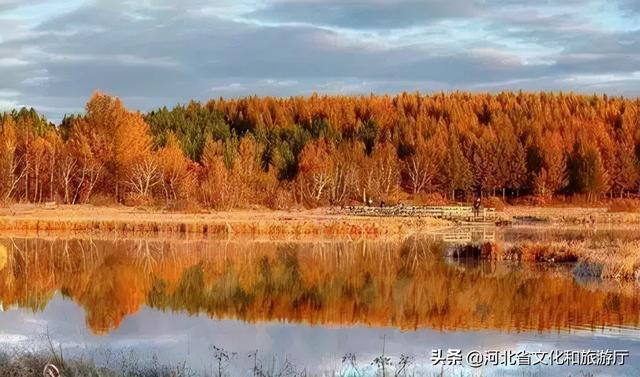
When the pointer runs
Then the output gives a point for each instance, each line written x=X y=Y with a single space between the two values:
x=13 y=176
x=68 y=171
x=10 y=161
x=144 y=176
x=423 y=166
x=91 y=173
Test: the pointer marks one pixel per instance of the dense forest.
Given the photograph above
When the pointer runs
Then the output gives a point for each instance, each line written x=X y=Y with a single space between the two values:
x=325 y=150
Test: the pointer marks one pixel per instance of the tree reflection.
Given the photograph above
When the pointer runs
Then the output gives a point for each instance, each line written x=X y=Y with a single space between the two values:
x=377 y=283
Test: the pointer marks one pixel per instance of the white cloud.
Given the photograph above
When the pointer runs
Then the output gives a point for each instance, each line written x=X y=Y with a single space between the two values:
x=12 y=62
x=9 y=93
x=163 y=52
x=8 y=105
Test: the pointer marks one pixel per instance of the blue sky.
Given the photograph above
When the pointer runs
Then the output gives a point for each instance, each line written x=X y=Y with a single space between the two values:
x=151 y=53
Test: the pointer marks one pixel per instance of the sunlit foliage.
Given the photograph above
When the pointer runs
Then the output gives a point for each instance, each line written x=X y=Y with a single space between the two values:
x=321 y=150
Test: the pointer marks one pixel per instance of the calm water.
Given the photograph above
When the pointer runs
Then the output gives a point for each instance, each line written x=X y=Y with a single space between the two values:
x=310 y=302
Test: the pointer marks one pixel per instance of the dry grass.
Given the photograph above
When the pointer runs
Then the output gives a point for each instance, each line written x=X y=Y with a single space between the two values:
x=609 y=260
x=569 y=215
x=556 y=252
x=494 y=202
x=624 y=205
x=224 y=364
x=29 y=219
x=605 y=259
x=621 y=262
x=32 y=364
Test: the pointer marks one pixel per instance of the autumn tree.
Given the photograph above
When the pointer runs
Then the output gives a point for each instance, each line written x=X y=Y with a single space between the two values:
x=346 y=162
x=511 y=168
x=340 y=148
x=587 y=174
x=484 y=160
x=382 y=171
x=112 y=138
x=10 y=176
x=624 y=168
x=552 y=177
x=143 y=176
x=456 y=170
x=316 y=168
x=68 y=173
x=176 y=175
x=85 y=156
x=217 y=186
x=423 y=165
x=251 y=178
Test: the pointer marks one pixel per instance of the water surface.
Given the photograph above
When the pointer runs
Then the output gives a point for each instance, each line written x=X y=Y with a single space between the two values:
x=309 y=301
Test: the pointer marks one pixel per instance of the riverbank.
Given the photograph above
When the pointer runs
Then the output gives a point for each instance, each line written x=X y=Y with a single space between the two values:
x=558 y=215
x=614 y=259
x=86 y=218
x=40 y=219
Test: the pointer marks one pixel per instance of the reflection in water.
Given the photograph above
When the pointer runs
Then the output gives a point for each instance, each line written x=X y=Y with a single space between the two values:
x=404 y=285
x=465 y=235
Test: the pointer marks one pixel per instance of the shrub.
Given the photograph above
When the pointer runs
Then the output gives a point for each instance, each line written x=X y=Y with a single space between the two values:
x=137 y=200
x=487 y=250
x=430 y=199
x=494 y=202
x=624 y=205
x=544 y=252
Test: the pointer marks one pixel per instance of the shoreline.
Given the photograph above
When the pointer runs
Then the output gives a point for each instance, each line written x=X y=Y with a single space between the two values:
x=320 y=222
x=30 y=219
x=26 y=219
x=567 y=216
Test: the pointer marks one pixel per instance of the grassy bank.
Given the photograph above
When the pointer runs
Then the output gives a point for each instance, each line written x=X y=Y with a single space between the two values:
x=38 y=219
x=613 y=259
x=29 y=219
x=570 y=215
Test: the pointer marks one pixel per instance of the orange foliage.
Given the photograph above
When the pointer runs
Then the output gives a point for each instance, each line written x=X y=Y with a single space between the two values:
x=321 y=150
x=383 y=283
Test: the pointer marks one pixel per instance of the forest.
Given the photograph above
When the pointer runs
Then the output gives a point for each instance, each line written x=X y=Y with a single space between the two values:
x=325 y=150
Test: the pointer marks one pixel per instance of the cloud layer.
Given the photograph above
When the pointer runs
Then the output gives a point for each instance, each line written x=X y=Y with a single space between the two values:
x=153 y=53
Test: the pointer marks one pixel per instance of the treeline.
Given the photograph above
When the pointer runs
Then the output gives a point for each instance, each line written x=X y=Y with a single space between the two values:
x=321 y=150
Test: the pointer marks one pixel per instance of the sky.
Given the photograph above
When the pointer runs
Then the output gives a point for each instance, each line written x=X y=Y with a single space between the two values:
x=54 y=54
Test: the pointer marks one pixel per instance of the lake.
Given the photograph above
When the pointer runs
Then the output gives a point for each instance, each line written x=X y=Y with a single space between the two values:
x=319 y=306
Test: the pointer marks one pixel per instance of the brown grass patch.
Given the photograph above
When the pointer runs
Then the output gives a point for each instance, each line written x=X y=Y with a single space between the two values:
x=621 y=262
x=556 y=252
x=624 y=205
x=257 y=222
x=494 y=202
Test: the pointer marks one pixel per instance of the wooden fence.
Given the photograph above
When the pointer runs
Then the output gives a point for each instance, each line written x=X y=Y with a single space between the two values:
x=460 y=213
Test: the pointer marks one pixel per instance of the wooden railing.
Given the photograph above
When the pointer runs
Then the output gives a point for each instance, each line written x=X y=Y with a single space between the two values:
x=442 y=212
